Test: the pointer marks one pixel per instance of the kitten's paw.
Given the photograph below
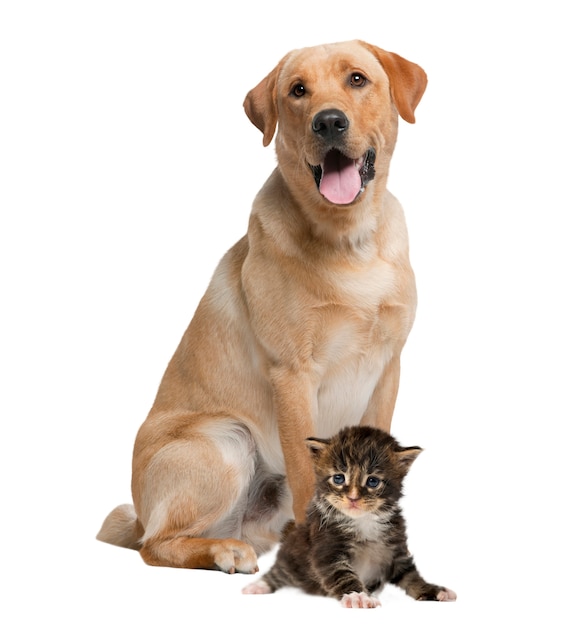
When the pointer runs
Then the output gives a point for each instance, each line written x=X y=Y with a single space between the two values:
x=257 y=587
x=446 y=595
x=439 y=594
x=355 y=600
x=231 y=556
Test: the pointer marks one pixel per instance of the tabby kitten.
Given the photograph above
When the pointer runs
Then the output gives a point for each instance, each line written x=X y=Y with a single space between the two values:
x=354 y=538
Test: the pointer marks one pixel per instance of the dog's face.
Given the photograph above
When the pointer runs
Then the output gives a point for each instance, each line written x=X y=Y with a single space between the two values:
x=336 y=107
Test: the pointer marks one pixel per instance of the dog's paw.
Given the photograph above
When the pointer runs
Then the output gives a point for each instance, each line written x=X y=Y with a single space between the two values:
x=231 y=556
x=257 y=587
x=355 y=600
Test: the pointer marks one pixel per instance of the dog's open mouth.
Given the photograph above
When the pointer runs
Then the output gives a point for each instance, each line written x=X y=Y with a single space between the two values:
x=341 y=179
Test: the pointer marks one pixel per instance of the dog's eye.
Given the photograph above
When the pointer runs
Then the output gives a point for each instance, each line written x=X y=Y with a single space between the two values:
x=338 y=479
x=357 y=80
x=298 y=90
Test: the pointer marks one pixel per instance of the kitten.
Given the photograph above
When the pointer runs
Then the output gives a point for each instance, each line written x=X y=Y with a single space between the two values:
x=354 y=538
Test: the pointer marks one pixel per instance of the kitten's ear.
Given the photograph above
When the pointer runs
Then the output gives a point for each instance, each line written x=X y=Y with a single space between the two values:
x=316 y=446
x=406 y=456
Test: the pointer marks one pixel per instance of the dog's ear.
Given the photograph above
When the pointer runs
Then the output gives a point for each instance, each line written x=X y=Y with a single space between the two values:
x=260 y=105
x=408 y=81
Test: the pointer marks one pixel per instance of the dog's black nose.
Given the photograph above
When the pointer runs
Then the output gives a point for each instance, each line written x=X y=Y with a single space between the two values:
x=330 y=123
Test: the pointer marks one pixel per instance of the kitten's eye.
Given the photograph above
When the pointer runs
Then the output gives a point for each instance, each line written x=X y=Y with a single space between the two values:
x=372 y=481
x=298 y=90
x=338 y=479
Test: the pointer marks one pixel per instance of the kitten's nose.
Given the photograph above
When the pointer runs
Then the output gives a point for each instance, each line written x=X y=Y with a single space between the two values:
x=353 y=495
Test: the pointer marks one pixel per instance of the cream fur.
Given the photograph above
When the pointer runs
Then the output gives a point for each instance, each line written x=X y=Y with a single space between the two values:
x=299 y=333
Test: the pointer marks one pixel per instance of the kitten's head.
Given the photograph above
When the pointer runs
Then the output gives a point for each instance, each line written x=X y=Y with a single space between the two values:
x=360 y=470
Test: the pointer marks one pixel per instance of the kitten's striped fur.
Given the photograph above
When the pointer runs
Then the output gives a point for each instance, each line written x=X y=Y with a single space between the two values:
x=354 y=538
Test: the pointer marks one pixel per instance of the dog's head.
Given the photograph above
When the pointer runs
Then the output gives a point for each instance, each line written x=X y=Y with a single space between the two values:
x=336 y=107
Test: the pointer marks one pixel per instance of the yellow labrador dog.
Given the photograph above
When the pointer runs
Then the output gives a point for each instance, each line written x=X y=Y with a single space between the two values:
x=301 y=329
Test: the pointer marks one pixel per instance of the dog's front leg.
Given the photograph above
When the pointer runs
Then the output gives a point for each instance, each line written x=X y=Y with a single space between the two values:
x=381 y=406
x=295 y=404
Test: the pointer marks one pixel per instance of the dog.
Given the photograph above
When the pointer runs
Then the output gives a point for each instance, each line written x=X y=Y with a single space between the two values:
x=301 y=329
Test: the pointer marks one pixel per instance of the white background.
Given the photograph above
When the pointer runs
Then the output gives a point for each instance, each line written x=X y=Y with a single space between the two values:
x=128 y=167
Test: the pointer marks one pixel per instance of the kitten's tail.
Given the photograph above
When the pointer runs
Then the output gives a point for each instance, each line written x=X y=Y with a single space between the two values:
x=122 y=528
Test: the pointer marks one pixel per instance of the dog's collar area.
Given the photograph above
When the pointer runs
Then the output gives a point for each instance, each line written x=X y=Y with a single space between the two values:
x=341 y=179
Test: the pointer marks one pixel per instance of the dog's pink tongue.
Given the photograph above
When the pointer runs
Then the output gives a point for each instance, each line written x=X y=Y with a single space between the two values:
x=340 y=182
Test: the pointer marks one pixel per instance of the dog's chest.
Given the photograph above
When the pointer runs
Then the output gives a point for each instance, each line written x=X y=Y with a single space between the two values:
x=365 y=287
x=338 y=323
x=349 y=365
x=353 y=340
x=359 y=317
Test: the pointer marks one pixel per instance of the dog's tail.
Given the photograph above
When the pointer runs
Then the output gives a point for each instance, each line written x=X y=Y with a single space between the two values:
x=122 y=528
